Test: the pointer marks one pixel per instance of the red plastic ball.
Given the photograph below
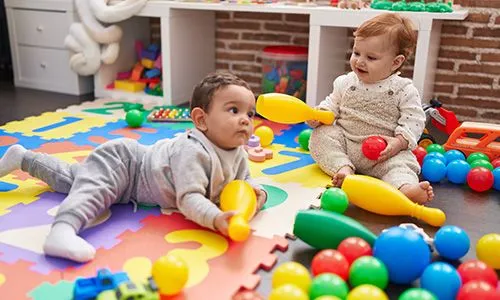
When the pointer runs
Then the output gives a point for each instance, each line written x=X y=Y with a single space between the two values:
x=330 y=261
x=372 y=146
x=420 y=153
x=473 y=270
x=480 y=179
x=496 y=163
x=477 y=289
x=353 y=248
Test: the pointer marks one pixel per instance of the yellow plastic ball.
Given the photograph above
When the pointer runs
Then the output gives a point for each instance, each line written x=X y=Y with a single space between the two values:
x=487 y=249
x=170 y=272
x=327 y=297
x=288 y=292
x=265 y=134
x=292 y=273
x=367 y=292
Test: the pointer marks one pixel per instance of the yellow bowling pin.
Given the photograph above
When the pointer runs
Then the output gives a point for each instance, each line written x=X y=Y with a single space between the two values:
x=238 y=195
x=286 y=109
x=379 y=197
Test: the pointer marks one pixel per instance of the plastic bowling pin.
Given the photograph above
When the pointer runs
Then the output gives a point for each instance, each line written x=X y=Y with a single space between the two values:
x=238 y=195
x=323 y=229
x=379 y=197
x=286 y=109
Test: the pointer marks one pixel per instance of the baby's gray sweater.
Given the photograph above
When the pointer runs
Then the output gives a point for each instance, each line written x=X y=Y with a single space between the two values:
x=188 y=173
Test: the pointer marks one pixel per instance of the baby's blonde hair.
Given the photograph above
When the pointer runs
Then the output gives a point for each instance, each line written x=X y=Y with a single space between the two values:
x=402 y=34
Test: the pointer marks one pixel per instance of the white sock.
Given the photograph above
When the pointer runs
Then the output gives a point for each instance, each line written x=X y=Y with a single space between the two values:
x=12 y=159
x=63 y=241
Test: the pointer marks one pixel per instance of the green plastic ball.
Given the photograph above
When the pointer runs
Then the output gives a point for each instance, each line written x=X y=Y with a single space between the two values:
x=368 y=270
x=134 y=118
x=328 y=284
x=417 y=294
x=475 y=156
x=304 y=137
x=481 y=163
x=435 y=148
x=334 y=199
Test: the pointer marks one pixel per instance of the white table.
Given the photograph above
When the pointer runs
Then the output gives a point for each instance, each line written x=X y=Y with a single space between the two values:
x=188 y=45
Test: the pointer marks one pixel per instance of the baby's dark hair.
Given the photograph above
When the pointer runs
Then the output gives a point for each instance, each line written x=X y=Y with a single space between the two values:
x=204 y=91
x=400 y=29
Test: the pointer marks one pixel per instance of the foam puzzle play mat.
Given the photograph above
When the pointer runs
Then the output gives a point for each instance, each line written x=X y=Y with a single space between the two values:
x=131 y=242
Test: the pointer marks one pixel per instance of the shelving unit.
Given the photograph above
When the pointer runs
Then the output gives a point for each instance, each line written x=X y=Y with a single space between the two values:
x=188 y=45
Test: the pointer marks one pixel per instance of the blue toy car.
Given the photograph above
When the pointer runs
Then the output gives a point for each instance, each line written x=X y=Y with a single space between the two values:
x=89 y=288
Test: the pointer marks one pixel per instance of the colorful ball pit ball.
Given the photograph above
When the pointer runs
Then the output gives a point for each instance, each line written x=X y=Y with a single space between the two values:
x=477 y=270
x=487 y=249
x=457 y=171
x=482 y=163
x=442 y=280
x=328 y=284
x=288 y=292
x=170 y=272
x=420 y=154
x=496 y=163
x=475 y=290
x=291 y=273
x=353 y=248
x=480 y=179
x=330 y=261
x=367 y=292
x=433 y=170
x=452 y=155
x=435 y=148
x=304 y=137
x=404 y=253
x=334 y=199
x=134 y=118
x=417 y=294
x=372 y=146
x=477 y=155
x=368 y=270
x=451 y=242
x=496 y=178
x=437 y=155
x=265 y=134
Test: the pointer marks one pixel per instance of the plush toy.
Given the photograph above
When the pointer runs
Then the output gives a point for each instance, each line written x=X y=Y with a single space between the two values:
x=353 y=4
x=85 y=38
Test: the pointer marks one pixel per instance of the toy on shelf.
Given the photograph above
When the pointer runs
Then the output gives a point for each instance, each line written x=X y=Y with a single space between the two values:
x=464 y=138
x=285 y=70
x=379 y=197
x=89 y=288
x=145 y=75
x=439 y=7
x=381 y=4
x=353 y=4
x=170 y=114
x=238 y=195
x=286 y=109
x=403 y=5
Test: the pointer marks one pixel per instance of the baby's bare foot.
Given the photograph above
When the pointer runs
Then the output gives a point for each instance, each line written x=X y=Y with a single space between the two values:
x=338 y=178
x=420 y=193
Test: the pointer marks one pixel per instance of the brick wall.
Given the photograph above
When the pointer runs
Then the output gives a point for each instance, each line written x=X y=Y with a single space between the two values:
x=467 y=79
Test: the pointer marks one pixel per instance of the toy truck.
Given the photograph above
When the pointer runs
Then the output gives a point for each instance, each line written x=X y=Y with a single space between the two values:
x=89 y=288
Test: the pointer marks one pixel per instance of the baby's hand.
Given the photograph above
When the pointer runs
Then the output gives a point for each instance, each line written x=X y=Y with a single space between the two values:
x=261 y=199
x=221 y=222
x=394 y=146
x=313 y=123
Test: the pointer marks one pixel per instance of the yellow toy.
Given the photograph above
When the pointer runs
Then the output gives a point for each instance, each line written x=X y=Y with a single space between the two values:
x=288 y=292
x=170 y=273
x=265 y=134
x=286 y=109
x=367 y=292
x=379 y=197
x=293 y=273
x=238 y=195
x=488 y=249
x=129 y=86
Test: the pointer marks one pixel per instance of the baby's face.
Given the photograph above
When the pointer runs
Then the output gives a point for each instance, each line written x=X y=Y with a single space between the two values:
x=229 y=119
x=373 y=58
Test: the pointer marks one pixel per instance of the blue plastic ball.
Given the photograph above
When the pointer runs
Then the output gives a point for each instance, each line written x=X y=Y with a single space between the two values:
x=404 y=252
x=442 y=280
x=457 y=171
x=433 y=169
x=496 y=178
x=451 y=242
x=437 y=155
x=452 y=155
